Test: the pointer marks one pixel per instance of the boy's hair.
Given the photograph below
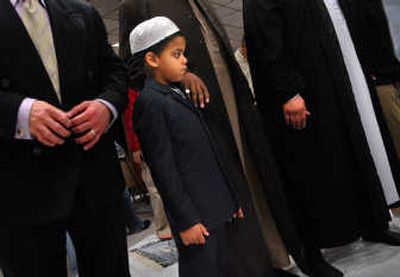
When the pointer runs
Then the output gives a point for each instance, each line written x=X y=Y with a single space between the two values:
x=137 y=69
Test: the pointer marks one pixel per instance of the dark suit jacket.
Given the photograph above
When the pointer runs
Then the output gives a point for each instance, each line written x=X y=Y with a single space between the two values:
x=370 y=31
x=39 y=184
x=180 y=152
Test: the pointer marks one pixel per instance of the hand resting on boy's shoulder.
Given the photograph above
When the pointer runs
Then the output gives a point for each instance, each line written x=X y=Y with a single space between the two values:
x=197 y=89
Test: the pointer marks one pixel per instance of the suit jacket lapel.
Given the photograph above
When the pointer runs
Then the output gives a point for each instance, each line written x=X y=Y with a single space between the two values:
x=20 y=55
x=183 y=101
x=167 y=90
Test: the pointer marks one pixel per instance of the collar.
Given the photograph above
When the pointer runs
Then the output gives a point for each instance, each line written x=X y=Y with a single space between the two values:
x=153 y=84
x=16 y=2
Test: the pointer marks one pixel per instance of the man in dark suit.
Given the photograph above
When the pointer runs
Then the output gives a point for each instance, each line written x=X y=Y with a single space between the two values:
x=61 y=87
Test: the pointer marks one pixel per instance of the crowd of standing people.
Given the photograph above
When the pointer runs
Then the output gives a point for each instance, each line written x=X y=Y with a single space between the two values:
x=253 y=159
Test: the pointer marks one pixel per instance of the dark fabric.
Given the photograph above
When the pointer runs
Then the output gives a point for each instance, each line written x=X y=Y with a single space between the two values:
x=39 y=251
x=33 y=251
x=39 y=184
x=100 y=241
x=329 y=176
x=133 y=12
x=211 y=259
x=180 y=153
x=370 y=31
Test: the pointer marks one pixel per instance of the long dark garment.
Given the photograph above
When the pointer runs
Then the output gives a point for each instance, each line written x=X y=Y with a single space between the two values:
x=329 y=175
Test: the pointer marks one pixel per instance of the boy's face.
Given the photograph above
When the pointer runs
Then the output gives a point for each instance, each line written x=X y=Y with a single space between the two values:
x=171 y=63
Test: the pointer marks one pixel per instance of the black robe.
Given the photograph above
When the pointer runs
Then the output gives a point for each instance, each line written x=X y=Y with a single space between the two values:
x=371 y=35
x=329 y=175
x=254 y=262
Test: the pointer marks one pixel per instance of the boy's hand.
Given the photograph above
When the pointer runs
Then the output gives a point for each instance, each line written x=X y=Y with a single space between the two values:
x=239 y=214
x=194 y=235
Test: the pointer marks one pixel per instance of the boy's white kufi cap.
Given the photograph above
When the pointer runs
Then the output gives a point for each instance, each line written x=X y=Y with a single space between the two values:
x=150 y=32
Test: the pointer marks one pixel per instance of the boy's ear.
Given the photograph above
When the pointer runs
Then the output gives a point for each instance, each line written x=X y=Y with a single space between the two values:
x=151 y=59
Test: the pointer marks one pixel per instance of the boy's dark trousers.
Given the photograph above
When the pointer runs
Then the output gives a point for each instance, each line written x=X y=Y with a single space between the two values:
x=210 y=259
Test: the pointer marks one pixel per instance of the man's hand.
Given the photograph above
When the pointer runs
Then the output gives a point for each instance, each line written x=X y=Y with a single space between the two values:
x=296 y=112
x=48 y=124
x=198 y=90
x=194 y=235
x=90 y=120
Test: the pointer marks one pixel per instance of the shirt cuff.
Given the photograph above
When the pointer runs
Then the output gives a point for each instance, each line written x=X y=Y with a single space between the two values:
x=112 y=109
x=22 y=128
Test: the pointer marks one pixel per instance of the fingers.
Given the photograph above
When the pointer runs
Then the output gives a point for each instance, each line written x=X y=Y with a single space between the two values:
x=298 y=120
x=78 y=109
x=204 y=230
x=194 y=93
x=240 y=213
x=195 y=235
x=90 y=120
x=80 y=118
x=44 y=135
x=57 y=128
x=88 y=140
x=48 y=124
x=82 y=128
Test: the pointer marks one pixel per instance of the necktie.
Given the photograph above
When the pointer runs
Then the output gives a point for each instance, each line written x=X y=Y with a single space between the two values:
x=35 y=19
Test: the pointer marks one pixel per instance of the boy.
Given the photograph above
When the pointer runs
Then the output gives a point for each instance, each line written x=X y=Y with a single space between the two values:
x=199 y=199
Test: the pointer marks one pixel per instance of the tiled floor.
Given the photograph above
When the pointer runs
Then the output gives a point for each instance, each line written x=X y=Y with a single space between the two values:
x=356 y=260
x=359 y=259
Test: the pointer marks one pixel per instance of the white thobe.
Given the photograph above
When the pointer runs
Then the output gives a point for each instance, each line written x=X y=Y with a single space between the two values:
x=363 y=102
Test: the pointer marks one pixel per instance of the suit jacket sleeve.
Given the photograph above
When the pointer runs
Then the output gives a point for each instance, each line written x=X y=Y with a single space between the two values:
x=268 y=54
x=9 y=105
x=114 y=80
x=155 y=138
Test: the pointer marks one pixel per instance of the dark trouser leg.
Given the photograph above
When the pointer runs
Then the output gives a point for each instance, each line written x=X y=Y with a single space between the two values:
x=133 y=222
x=28 y=251
x=100 y=242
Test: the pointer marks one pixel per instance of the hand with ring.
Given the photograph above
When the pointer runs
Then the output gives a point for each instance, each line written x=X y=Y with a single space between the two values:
x=90 y=120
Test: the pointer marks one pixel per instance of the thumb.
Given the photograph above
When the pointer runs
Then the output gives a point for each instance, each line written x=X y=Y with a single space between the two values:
x=204 y=230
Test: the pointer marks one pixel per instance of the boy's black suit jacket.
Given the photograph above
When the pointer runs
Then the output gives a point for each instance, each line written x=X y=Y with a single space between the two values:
x=181 y=155
x=249 y=235
x=39 y=184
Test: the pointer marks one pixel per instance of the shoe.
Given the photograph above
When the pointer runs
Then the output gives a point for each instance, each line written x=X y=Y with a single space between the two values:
x=324 y=269
x=146 y=224
x=282 y=273
x=313 y=264
x=386 y=237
